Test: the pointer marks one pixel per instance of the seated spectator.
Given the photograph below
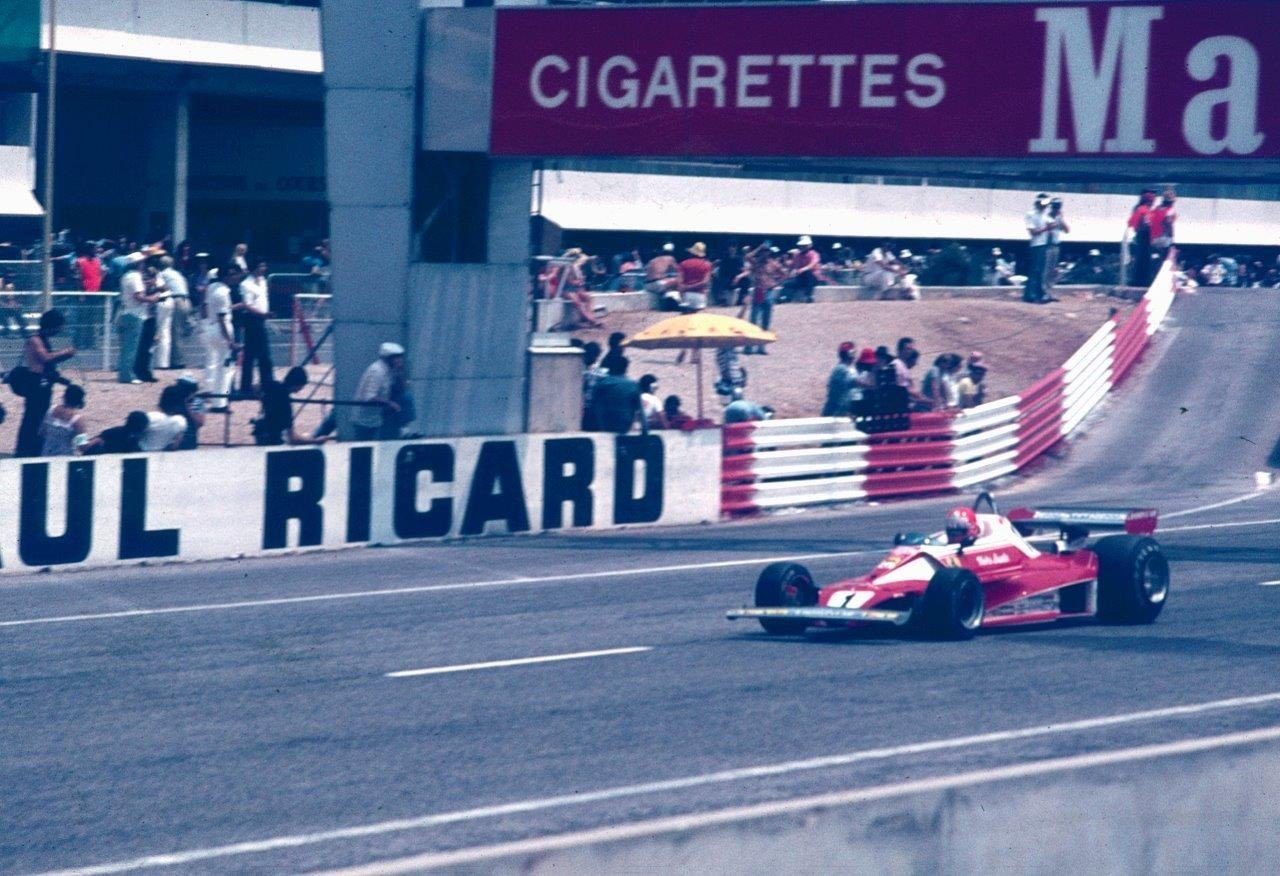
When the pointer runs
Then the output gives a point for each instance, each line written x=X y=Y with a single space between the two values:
x=194 y=408
x=571 y=284
x=649 y=404
x=166 y=427
x=740 y=410
x=971 y=389
x=275 y=425
x=840 y=382
x=675 y=418
x=62 y=432
x=120 y=439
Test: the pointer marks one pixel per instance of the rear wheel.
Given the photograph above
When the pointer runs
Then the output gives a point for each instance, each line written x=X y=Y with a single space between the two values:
x=952 y=605
x=786 y=585
x=1133 y=579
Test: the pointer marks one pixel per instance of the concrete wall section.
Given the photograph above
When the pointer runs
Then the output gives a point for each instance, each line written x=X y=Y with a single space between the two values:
x=468 y=333
x=106 y=510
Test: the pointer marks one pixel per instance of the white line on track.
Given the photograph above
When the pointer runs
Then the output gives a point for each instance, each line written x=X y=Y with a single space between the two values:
x=1275 y=583
x=425 y=588
x=1246 y=497
x=684 y=823
x=1236 y=525
x=521 y=661
x=278 y=843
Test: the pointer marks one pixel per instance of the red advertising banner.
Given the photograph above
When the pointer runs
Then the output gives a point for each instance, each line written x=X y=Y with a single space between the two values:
x=1012 y=80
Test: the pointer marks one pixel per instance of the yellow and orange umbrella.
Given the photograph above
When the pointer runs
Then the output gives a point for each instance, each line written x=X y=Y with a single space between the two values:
x=696 y=331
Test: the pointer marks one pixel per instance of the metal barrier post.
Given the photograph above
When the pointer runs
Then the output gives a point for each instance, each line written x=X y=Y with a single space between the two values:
x=106 y=332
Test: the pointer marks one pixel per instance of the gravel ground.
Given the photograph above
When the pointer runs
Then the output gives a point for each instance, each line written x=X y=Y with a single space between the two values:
x=1021 y=344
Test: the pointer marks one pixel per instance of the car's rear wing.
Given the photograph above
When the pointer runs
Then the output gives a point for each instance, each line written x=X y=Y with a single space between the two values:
x=1079 y=521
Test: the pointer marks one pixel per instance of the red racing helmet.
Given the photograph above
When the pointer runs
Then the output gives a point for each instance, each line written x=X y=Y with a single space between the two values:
x=962 y=525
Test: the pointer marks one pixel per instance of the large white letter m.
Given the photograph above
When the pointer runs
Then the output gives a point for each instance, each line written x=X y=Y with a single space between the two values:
x=1092 y=81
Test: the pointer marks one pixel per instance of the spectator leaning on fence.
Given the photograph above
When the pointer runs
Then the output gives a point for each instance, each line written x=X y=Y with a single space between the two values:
x=274 y=425
x=376 y=418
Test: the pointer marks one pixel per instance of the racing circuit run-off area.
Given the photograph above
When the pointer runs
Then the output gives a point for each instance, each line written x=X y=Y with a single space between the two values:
x=552 y=582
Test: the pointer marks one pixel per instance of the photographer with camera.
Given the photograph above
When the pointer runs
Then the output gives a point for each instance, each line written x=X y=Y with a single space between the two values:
x=34 y=379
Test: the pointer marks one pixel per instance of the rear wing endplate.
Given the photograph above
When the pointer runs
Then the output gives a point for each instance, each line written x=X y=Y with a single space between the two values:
x=1135 y=521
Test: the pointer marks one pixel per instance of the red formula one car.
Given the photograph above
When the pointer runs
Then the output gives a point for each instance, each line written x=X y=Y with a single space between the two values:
x=984 y=571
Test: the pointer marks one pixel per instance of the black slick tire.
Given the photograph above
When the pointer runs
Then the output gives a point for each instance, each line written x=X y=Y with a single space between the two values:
x=952 y=606
x=1133 y=579
x=785 y=585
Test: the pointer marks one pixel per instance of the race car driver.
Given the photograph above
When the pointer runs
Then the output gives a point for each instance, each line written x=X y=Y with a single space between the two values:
x=962 y=526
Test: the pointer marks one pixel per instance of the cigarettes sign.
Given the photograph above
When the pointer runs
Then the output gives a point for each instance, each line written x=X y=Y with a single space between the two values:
x=1185 y=79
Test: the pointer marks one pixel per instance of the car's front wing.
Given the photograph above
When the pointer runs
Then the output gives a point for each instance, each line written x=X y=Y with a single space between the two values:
x=898 y=618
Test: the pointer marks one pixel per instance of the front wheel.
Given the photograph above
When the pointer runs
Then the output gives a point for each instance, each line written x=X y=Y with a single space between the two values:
x=1133 y=579
x=785 y=585
x=952 y=605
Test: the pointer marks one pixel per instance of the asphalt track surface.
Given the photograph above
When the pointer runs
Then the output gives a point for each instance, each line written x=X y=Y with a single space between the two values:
x=240 y=714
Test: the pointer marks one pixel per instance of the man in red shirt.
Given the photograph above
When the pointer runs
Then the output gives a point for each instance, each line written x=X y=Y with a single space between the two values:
x=1140 y=242
x=1160 y=223
x=695 y=279
x=90 y=267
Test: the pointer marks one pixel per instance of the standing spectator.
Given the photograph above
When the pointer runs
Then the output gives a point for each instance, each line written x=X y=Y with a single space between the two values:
x=617 y=401
x=971 y=389
x=253 y=307
x=840 y=382
x=89 y=265
x=376 y=420
x=695 y=279
x=131 y=317
x=730 y=272
x=732 y=374
x=1054 y=248
x=614 y=354
x=906 y=359
x=661 y=278
x=167 y=426
x=932 y=390
x=1038 y=224
x=804 y=271
x=274 y=425
x=1160 y=222
x=120 y=439
x=650 y=407
x=317 y=266
x=146 y=340
x=766 y=272
x=62 y=432
x=35 y=382
x=1140 y=240
x=591 y=373
x=240 y=257
x=219 y=337
x=171 y=315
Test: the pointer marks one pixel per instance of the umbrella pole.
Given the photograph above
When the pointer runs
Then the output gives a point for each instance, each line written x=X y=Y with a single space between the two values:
x=698 y=352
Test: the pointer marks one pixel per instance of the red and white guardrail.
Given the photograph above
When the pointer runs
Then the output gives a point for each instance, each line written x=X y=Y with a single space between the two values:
x=820 y=460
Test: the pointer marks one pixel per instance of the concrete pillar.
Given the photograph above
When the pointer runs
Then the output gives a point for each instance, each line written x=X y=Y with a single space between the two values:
x=371 y=64
x=181 y=164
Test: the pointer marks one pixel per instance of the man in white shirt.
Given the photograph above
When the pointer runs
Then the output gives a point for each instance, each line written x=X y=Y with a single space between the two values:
x=134 y=301
x=378 y=421
x=880 y=270
x=219 y=337
x=1039 y=224
x=170 y=309
x=254 y=306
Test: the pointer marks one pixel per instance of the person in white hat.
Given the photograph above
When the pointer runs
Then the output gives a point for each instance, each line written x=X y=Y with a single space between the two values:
x=379 y=419
x=804 y=271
